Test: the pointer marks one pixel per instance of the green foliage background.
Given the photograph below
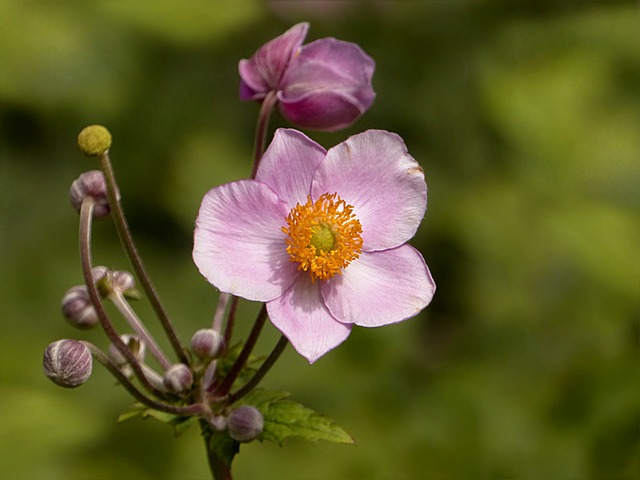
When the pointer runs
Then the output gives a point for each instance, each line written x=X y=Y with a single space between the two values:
x=526 y=118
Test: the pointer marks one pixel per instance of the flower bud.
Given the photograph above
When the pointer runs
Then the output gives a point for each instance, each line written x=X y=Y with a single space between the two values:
x=67 y=363
x=78 y=309
x=90 y=184
x=178 y=378
x=134 y=344
x=206 y=343
x=245 y=423
x=94 y=140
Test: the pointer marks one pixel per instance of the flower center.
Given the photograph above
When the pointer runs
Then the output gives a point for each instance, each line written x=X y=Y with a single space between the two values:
x=323 y=236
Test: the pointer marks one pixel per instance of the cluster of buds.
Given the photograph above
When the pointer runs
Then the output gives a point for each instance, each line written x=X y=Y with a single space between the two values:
x=188 y=386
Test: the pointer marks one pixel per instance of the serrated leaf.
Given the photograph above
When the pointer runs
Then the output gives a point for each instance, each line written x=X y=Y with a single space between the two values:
x=178 y=422
x=286 y=418
x=260 y=396
x=135 y=410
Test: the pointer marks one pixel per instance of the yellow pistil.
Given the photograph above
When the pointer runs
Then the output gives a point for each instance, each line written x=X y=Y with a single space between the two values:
x=323 y=236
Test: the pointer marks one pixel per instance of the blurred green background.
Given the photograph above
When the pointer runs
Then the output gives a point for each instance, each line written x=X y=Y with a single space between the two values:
x=526 y=118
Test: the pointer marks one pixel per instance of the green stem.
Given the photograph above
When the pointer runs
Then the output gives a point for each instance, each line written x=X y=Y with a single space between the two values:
x=262 y=371
x=220 y=469
x=134 y=257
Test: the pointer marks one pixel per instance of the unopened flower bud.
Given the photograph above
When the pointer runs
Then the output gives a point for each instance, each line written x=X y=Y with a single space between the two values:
x=245 y=423
x=206 y=343
x=90 y=184
x=67 y=363
x=178 y=378
x=94 y=140
x=98 y=272
x=133 y=343
x=77 y=308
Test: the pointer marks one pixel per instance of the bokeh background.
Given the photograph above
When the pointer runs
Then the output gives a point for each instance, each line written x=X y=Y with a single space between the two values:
x=526 y=119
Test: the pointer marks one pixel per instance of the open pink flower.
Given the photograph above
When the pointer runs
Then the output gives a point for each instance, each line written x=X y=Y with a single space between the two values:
x=325 y=85
x=321 y=237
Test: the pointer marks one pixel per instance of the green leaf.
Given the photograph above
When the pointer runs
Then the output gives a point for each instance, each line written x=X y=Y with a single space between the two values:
x=285 y=418
x=178 y=422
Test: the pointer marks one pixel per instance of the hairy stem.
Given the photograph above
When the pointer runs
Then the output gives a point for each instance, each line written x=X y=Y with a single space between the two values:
x=132 y=319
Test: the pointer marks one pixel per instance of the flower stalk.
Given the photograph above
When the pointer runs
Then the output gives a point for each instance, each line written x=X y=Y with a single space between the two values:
x=86 y=216
x=134 y=256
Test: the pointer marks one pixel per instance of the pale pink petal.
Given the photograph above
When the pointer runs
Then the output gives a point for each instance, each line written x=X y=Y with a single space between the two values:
x=265 y=69
x=288 y=165
x=380 y=288
x=328 y=85
x=302 y=317
x=239 y=246
x=373 y=172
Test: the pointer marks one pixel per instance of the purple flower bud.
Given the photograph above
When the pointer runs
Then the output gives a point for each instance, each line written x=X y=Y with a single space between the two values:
x=206 y=343
x=90 y=184
x=178 y=378
x=134 y=344
x=245 y=423
x=78 y=309
x=324 y=85
x=67 y=363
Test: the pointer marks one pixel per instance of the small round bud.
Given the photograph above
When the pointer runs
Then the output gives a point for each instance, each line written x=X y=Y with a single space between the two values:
x=98 y=272
x=178 y=378
x=77 y=308
x=90 y=184
x=206 y=343
x=67 y=363
x=245 y=423
x=134 y=344
x=94 y=140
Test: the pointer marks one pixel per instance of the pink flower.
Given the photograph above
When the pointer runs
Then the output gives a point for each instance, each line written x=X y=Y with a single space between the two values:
x=325 y=85
x=321 y=237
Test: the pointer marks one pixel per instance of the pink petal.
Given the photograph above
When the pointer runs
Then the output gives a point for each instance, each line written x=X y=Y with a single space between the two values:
x=288 y=165
x=302 y=317
x=264 y=70
x=380 y=288
x=328 y=85
x=239 y=246
x=373 y=172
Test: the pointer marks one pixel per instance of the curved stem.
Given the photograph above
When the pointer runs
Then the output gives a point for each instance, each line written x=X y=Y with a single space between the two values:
x=132 y=319
x=261 y=129
x=86 y=217
x=136 y=261
x=195 y=409
x=237 y=366
x=262 y=371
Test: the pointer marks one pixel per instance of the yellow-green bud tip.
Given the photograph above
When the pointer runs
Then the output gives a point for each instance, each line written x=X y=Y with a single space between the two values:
x=94 y=140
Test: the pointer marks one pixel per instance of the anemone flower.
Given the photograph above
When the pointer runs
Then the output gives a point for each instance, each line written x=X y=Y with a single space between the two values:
x=324 y=85
x=320 y=236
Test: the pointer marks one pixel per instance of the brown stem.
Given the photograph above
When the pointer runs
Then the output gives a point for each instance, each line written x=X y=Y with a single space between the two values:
x=237 y=366
x=136 y=260
x=262 y=371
